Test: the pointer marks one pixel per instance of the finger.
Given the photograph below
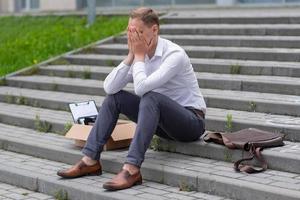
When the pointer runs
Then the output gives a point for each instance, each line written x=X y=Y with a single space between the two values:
x=136 y=34
x=130 y=38
x=135 y=37
x=144 y=40
x=133 y=29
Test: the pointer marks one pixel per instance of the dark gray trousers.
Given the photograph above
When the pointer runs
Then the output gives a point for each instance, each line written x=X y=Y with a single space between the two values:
x=154 y=113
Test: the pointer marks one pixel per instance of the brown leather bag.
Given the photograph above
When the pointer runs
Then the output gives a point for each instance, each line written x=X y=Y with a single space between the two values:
x=252 y=140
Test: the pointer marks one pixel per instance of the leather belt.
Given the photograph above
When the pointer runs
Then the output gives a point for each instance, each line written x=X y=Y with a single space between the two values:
x=197 y=112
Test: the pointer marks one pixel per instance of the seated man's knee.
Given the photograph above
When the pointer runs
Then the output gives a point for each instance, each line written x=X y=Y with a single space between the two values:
x=150 y=98
x=151 y=95
x=111 y=98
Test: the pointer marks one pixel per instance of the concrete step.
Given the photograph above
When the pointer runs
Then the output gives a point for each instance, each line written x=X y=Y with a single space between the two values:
x=236 y=100
x=71 y=85
x=217 y=119
x=265 y=84
x=44 y=120
x=223 y=66
x=242 y=53
x=285 y=158
x=224 y=99
x=259 y=84
x=38 y=174
x=43 y=98
x=196 y=19
x=252 y=101
x=75 y=71
x=236 y=41
x=94 y=59
x=229 y=41
x=10 y=192
x=191 y=173
x=231 y=29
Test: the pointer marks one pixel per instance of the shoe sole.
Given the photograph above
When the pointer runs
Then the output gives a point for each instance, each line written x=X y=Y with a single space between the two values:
x=98 y=173
x=111 y=188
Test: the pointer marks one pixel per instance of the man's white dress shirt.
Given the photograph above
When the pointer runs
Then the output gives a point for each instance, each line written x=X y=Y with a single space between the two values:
x=168 y=72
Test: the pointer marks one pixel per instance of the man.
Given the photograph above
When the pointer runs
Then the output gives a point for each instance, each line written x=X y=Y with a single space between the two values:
x=168 y=101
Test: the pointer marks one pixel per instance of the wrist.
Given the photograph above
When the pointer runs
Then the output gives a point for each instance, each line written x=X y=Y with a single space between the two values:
x=129 y=59
x=139 y=58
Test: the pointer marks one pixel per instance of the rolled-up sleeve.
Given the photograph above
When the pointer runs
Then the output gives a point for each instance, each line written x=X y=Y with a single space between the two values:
x=171 y=65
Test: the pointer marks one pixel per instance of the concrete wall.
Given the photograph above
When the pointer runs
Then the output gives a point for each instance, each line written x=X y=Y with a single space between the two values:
x=225 y=2
x=57 y=5
x=7 y=6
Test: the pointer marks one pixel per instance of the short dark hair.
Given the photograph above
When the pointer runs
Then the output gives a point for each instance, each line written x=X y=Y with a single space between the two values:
x=147 y=15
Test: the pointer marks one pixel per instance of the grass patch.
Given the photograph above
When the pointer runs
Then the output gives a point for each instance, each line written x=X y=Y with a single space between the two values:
x=9 y=98
x=88 y=50
x=60 y=61
x=61 y=195
x=33 y=70
x=36 y=104
x=54 y=87
x=235 y=69
x=67 y=127
x=71 y=74
x=252 y=106
x=227 y=155
x=110 y=63
x=21 y=100
x=28 y=40
x=3 y=82
x=229 y=125
x=42 y=126
x=185 y=187
x=155 y=142
x=87 y=74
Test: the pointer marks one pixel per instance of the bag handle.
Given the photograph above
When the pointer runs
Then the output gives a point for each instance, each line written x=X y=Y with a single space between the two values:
x=213 y=137
x=255 y=152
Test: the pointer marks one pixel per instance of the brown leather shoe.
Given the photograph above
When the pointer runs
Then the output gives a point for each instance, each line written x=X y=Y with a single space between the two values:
x=123 y=180
x=81 y=169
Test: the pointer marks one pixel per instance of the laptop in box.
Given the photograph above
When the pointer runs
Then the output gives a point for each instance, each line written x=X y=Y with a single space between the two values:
x=83 y=113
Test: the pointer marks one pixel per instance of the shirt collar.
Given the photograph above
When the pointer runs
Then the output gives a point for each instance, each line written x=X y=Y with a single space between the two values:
x=159 y=47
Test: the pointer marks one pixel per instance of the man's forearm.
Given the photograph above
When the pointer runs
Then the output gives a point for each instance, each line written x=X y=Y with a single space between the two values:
x=117 y=79
x=129 y=59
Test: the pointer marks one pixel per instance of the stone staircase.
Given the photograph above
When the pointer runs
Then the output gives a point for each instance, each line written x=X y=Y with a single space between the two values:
x=249 y=73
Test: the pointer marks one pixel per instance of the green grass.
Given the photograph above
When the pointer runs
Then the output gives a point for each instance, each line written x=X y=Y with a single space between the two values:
x=28 y=40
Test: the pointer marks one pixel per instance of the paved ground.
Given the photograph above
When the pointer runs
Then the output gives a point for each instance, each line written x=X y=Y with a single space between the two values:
x=10 y=192
x=45 y=170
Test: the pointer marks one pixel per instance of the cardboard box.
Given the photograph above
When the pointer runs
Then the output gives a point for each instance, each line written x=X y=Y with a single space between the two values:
x=120 y=138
